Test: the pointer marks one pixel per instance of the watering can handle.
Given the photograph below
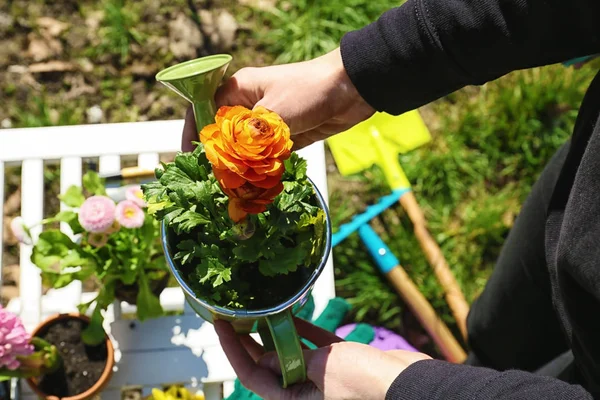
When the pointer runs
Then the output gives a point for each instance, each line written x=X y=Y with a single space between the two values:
x=278 y=333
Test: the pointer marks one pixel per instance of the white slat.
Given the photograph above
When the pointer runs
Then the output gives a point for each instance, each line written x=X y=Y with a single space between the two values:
x=109 y=163
x=32 y=201
x=70 y=174
x=228 y=387
x=148 y=160
x=91 y=140
x=213 y=391
x=2 y=215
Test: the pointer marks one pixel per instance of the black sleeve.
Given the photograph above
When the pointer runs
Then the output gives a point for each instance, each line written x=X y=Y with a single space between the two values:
x=440 y=380
x=426 y=49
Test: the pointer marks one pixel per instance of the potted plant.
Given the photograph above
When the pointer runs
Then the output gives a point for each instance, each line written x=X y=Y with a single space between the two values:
x=117 y=243
x=54 y=359
x=245 y=231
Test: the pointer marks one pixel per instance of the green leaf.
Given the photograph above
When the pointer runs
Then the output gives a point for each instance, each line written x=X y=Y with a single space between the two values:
x=204 y=195
x=180 y=198
x=295 y=168
x=285 y=261
x=170 y=214
x=52 y=246
x=319 y=234
x=148 y=305
x=71 y=218
x=188 y=164
x=73 y=197
x=175 y=179
x=93 y=184
x=189 y=220
x=249 y=250
x=188 y=250
x=154 y=208
x=154 y=192
x=94 y=333
x=293 y=196
x=218 y=271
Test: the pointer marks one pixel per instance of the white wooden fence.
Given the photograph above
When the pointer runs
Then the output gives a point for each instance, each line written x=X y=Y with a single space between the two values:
x=177 y=349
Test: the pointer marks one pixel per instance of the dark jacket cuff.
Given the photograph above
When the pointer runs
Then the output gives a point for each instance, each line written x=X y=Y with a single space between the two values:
x=440 y=380
x=396 y=64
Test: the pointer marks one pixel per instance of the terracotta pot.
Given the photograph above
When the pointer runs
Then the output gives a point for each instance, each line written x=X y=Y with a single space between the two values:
x=106 y=374
x=128 y=293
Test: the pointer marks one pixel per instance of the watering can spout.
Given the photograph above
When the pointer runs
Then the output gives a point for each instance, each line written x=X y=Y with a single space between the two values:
x=197 y=81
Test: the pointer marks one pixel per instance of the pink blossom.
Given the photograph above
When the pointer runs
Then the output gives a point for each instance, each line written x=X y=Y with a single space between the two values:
x=135 y=194
x=14 y=340
x=17 y=227
x=129 y=214
x=97 y=213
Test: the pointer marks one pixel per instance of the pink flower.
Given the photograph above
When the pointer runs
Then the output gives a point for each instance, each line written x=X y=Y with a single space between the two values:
x=97 y=239
x=14 y=340
x=135 y=194
x=97 y=213
x=17 y=227
x=129 y=214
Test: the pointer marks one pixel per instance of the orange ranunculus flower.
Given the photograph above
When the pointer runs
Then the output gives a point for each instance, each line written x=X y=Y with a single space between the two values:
x=250 y=199
x=247 y=146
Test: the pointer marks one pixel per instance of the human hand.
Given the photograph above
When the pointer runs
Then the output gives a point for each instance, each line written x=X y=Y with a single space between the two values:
x=315 y=98
x=335 y=370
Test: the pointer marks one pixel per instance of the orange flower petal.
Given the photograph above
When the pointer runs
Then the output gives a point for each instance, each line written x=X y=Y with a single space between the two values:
x=235 y=211
x=272 y=167
x=229 y=162
x=268 y=182
x=247 y=147
x=273 y=192
x=228 y=179
x=212 y=154
x=252 y=207
x=208 y=132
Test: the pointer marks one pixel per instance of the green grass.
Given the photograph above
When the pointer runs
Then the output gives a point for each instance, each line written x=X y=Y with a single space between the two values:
x=45 y=112
x=489 y=146
x=304 y=29
x=119 y=29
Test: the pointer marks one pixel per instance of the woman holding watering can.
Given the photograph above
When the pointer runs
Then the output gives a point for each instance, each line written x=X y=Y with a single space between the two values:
x=534 y=333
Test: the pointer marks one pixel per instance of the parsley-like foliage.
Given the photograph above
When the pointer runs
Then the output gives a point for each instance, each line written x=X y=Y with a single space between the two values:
x=258 y=262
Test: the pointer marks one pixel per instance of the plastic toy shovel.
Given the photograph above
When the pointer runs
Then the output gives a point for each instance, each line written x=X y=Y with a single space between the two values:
x=379 y=140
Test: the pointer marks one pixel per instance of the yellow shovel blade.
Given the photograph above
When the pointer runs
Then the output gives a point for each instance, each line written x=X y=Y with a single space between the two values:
x=353 y=150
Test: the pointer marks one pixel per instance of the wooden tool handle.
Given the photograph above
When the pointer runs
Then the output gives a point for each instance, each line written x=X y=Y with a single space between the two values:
x=426 y=315
x=136 y=172
x=454 y=296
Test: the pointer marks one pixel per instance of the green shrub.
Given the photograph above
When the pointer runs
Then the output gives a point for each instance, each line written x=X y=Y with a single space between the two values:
x=304 y=29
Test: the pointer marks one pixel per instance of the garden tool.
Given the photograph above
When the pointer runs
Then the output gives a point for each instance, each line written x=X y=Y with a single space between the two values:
x=379 y=140
x=390 y=266
x=128 y=173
